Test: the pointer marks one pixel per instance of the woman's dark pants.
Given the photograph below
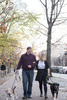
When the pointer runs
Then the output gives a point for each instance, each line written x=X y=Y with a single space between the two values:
x=27 y=77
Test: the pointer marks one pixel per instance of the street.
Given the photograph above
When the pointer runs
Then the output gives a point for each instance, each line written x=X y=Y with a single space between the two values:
x=64 y=76
x=35 y=92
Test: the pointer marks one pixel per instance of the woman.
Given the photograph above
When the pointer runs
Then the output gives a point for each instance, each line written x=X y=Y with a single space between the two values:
x=43 y=72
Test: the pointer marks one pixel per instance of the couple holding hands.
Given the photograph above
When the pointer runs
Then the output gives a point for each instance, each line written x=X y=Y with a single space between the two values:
x=29 y=63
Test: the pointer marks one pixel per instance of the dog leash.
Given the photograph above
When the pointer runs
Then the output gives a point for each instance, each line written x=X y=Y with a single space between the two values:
x=51 y=80
x=47 y=79
x=17 y=78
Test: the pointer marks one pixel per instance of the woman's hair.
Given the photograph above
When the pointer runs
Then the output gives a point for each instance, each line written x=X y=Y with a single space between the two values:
x=42 y=56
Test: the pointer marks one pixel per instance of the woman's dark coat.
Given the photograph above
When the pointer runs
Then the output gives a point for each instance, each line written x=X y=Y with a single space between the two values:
x=42 y=73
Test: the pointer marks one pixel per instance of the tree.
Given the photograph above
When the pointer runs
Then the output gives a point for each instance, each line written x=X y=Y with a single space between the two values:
x=11 y=15
x=52 y=10
x=6 y=15
x=6 y=45
x=13 y=25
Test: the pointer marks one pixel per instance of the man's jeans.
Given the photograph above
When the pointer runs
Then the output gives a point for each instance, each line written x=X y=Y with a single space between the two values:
x=27 y=77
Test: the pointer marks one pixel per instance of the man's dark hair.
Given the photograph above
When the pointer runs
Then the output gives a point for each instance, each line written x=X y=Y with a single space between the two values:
x=29 y=48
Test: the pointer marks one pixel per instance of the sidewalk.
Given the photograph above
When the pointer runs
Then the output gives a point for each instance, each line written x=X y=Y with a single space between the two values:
x=35 y=92
x=6 y=77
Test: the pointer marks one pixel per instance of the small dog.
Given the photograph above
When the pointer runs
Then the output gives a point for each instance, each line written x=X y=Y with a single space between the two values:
x=54 y=89
x=11 y=94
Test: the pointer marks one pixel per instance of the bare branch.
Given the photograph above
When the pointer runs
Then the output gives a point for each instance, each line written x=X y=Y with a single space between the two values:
x=42 y=24
x=59 y=39
x=43 y=3
x=60 y=22
x=56 y=3
x=42 y=32
x=58 y=13
x=1 y=12
x=52 y=9
x=46 y=11
x=9 y=28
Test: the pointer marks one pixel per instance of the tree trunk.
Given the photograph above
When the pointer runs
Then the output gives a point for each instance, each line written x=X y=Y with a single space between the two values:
x=49 y=48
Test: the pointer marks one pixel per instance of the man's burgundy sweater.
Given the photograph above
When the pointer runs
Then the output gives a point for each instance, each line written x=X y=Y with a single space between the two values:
x=26 y=60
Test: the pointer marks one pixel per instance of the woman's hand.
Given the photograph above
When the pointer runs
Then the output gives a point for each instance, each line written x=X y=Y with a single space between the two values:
x=48 y=74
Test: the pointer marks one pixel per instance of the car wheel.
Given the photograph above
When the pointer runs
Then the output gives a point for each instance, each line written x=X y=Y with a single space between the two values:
x=66 y=72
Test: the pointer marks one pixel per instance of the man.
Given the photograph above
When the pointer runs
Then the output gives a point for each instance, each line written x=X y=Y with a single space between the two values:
x=3 y=68
x=28 y=63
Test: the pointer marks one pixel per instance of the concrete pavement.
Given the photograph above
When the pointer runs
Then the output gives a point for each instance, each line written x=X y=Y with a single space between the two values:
x=35 y=92
x=6 y=77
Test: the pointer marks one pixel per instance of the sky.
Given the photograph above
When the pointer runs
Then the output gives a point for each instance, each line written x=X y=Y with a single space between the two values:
x=36 y=7
x=32 y=5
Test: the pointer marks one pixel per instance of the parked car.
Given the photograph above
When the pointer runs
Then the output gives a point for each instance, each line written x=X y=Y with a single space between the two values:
x=54 y=69
x=57 y=69
x=60 y=69
x=65 y=70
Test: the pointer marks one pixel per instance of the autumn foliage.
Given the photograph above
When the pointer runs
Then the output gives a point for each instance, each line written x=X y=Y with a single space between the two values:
x=5 y=12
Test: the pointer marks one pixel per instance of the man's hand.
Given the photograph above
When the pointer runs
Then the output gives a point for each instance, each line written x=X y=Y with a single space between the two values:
x=29 y=66
x=17 y=71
